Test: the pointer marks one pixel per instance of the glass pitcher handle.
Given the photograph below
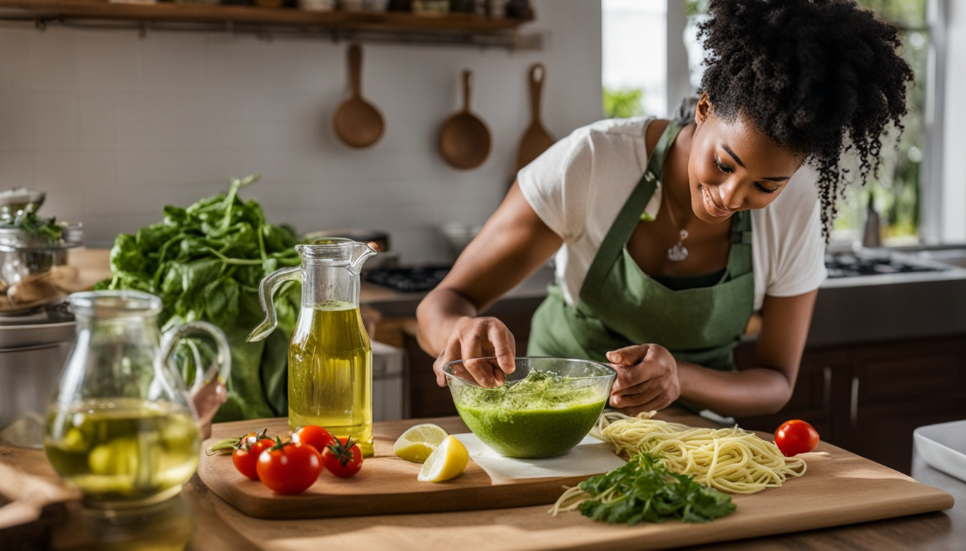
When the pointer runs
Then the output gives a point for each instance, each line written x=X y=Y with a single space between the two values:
x=219 y=370
x=266 y=294
x=209 y=389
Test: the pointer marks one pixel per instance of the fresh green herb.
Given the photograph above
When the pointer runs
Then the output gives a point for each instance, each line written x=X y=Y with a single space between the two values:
x=644 y=490
x=206 y=263
x=35 y=226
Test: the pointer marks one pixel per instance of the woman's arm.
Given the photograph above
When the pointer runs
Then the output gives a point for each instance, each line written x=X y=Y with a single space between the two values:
x=652 y=379
x=512 y=245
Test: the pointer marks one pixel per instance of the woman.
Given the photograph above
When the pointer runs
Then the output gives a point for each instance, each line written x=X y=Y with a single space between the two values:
x=669 y=234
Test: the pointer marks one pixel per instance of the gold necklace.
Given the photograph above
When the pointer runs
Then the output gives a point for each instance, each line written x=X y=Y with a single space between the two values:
x=678 y=252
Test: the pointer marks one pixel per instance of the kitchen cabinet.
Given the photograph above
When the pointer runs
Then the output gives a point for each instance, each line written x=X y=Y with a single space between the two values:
x=454 y=28
x=869 y=397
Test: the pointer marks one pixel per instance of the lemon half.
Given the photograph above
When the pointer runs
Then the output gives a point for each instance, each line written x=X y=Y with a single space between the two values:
x=448 y=461
x=418 y=442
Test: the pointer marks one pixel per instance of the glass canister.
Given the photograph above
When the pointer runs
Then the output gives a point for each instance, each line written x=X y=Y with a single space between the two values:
x=123 y=426
x=330 y=356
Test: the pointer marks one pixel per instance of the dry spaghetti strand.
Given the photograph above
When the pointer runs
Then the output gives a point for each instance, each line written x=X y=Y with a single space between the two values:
x=731 y=460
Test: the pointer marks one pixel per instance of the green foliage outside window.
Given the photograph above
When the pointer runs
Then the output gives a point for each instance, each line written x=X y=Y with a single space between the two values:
x=621 y=104
x=896 y=189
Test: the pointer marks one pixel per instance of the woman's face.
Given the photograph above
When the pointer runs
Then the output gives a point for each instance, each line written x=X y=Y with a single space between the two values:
x=734 y=167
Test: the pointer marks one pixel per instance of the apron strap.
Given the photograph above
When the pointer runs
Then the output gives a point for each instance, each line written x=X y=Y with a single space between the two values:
x=740 y=256
x=630 y=214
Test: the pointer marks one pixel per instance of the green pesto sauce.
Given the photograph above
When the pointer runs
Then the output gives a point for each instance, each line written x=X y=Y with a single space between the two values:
x=543 y=415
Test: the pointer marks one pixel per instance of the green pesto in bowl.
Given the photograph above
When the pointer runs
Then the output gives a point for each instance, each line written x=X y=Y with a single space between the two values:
x=544 y=414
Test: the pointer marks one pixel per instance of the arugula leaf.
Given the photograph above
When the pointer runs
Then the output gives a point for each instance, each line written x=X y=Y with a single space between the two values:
x=644 y=490
x=206 y=262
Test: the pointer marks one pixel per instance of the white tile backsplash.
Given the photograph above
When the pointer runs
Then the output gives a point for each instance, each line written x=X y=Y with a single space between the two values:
x=101 y=65
x=16 y=121
x=17 y=167
x=53 y=60
x=113 y=125
x=97 y=117
x=56 y=120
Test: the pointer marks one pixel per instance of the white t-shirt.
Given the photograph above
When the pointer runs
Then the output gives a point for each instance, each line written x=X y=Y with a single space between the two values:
x=579 y=185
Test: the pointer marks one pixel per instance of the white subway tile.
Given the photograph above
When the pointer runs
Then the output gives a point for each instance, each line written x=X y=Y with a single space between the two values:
x=56 y=120
x=17 y=169
x=71 y=170
x=235 y=63
x=107 y=61
x=98 y=120
x=15 y=59
x=220 y=165
x=53 y=59
x=173 y=62
x=16 y=120
x=142 y=168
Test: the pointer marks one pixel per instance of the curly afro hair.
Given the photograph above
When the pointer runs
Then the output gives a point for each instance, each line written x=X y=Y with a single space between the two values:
x=820 y=77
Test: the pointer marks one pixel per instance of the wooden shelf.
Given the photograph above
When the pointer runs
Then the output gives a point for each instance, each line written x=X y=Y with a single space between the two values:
x=465 y=28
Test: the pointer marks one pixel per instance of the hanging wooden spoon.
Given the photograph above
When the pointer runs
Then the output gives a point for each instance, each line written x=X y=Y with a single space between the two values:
x=536 y=139
x=465 y=139
x=357 y=122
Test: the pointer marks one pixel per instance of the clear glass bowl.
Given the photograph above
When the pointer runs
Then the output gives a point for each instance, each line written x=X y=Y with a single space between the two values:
x=544 y=409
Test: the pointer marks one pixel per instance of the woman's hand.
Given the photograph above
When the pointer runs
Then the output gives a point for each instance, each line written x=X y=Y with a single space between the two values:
x=647 y=378
x=479 y=338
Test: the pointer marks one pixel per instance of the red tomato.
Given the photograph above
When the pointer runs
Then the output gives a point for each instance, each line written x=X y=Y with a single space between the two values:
x=795 y=437
x=343 y=458
x=289 y=467
x=315 y=436
x=245 y=457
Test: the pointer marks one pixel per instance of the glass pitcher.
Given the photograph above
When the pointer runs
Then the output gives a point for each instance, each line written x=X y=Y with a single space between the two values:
x=122 y=426
x=329 y=355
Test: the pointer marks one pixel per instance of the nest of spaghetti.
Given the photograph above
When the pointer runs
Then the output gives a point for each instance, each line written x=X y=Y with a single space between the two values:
x=731 y=460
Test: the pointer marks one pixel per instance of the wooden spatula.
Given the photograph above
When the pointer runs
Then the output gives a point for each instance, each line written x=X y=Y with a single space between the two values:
x=536 y=139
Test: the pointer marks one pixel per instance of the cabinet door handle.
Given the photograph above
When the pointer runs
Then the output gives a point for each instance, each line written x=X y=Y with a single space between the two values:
x=827 y=387
x=854 y=406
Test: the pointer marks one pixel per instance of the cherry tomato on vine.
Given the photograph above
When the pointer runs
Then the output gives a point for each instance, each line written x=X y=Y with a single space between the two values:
x=315 y=436
x=795 y=437
x=289 y=467
x=246 y=452
x=343 y=458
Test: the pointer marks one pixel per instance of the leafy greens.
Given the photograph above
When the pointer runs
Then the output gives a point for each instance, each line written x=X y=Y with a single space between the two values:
x=206 y=262
x=644 y=490
x=36 y=226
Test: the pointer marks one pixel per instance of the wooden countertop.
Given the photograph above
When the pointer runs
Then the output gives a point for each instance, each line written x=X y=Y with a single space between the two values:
x=205 y=522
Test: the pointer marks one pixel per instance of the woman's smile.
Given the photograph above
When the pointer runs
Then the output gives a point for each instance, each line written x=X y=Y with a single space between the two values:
x=711 y=206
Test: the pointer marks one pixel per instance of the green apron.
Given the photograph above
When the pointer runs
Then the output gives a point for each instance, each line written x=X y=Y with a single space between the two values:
x=619 y=305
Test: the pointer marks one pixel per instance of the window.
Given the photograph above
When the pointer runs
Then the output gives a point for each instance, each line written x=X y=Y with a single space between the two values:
x=635 y=50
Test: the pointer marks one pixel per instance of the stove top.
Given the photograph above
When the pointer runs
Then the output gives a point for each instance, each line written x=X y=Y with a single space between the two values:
x=840 y=265
x=407 y=280
x=850 y=265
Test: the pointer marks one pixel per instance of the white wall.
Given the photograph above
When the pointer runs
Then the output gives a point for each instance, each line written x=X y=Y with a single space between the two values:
x=113 y=126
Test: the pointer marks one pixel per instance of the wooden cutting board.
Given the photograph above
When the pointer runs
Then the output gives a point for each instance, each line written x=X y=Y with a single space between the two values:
x=385 y=485
x=839 y=488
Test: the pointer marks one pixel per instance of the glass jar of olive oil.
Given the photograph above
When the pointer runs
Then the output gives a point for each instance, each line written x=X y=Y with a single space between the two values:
x=329 y=355
x=121 y=427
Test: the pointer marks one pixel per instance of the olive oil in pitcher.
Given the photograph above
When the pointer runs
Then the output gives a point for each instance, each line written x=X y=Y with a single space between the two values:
x=123 y=450
x=330 y=358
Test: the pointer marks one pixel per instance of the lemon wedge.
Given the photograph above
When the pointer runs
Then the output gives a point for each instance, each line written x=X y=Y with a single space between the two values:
x=418 y=442
x=448 y=461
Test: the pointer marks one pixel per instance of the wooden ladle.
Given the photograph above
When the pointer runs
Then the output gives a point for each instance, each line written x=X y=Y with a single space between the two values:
x=357 y=122
x=465 y=139
x=536 y=139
